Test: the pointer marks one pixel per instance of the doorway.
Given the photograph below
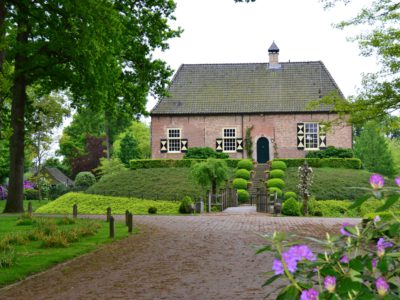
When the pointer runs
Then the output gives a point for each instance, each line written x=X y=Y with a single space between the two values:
x=262 y=150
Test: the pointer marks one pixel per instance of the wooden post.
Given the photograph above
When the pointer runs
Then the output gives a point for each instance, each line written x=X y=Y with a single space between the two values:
x=30 y=210
x=75 y=210
x=111 y=220
x=142 y=195
x=126 y=217
x=130 y=222
x=108 y=214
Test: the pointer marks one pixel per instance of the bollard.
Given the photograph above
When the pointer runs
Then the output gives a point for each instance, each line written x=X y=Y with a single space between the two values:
x=108 y=214
x=126 y=217
x=111 y=220
x=75 y=210
x=30 y=210
x=130 y=222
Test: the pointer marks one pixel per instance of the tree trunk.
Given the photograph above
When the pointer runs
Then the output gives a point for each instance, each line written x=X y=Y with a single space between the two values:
x=2 y=51
x=16 y=191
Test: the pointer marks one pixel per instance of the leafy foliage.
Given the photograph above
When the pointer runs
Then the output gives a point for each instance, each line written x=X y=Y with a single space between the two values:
x=331 y=152
x=291 y=207
x=278 y=164
x=276 y=182
x=141 y=133
x=276 y=190
x=245 y=164
x=173 y=163
x=277 y=173
x=346 y=163
x=204 y=153
x=186 y=206
x=129 y=149
x=239 y=183
x=85 y=179
x=242 y=173
x=243 y=195
x=289 y=194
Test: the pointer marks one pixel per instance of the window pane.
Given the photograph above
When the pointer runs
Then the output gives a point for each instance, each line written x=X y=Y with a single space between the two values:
x=174 y=145
x=311 y=135
x=174 y=133
x=229 y=144
x=229 y=132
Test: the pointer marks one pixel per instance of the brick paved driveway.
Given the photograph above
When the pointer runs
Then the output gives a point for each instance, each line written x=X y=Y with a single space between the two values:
x=174 y=257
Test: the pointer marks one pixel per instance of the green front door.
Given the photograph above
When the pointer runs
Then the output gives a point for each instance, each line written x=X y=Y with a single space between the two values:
x=262 y=150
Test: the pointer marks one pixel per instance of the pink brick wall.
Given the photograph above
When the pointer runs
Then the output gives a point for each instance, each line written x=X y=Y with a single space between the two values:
x=202 y=131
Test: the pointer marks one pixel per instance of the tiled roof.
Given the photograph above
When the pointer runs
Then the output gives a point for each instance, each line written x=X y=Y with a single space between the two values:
x=273 y=48
x=59 y=176
x=246 y=88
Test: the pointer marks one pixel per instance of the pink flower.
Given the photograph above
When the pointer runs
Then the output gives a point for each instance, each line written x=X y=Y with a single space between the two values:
x=343 y=231
x=376 y=181
x=292 y=257
x=374 y=263
x=377 y=219
x=277 y=267
x=382 y=286
x=397 y=180
x=381 y=245
x=310 y=294
x=330 y=283
x=344 y=259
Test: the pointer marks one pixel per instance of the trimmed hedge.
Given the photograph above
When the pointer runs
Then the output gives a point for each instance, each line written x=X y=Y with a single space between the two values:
x=277 y=173
x=333 y=208
x=276 y=182
x=242 y=173
x=245 y=164
x=173 y=163
x=243 y=195
x=347 y=163
x=240 y=184
x=278 y=164
x=277 y=190
x=204 y=153
x=291 y=207
x=288 y=195
x=331 y=152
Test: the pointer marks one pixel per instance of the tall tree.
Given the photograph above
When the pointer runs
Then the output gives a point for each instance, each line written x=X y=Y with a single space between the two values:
x=81 y=46
x=129 y=149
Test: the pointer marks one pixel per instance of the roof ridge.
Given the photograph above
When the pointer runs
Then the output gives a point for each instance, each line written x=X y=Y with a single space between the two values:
x=248 y=63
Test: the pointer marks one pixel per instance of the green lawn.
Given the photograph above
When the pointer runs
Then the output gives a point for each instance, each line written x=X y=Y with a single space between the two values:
x=35 y=204
x=333 y=183
x=32 y=258
x=97 y=204
x=162 y=183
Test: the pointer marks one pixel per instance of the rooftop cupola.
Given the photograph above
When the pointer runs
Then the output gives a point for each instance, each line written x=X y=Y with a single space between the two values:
x=274 y=56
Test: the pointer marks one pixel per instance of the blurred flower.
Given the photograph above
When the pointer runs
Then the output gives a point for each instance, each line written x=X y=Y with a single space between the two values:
x=292 y=257
x=374 y=263
x=330 y=283
x=300 y=252
x=377 y=219
x=310 y=294
x=382 y=286
x=376 y=181
x=344 y=259
x=277 y=267
x=343 y=230
x=381 y=246
x=28 y=185
x=397 y=180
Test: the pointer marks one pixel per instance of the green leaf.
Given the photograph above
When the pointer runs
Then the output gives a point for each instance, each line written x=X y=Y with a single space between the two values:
x=271 y=280
x=289 y=293
x=359 y=201
x=357 y=264
x=264 y=249
x=388 y=203
x=393 y=254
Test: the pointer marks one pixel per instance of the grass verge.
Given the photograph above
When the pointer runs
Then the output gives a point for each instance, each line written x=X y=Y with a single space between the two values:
x=35 y=204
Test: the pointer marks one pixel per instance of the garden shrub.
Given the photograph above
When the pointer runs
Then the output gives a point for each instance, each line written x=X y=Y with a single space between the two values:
x=240 y=184
x=289 y=194
x=31 y=194
x=245 y=164
x=85 y=179
x=346 y=163
x=152 y=210
x=291 y=207
x=243 y=195
x=173 y=163
x=186 y=206
x=66 y=221
x=276 y=182
x=58 y=190
x=242 y=173
x=331 y=152
x=204 y=153
x=55 y=240
x=334 y=208
x=25 y=219
x=7 y=258
x=278 y=191
x=277 y=173
x=278 y=164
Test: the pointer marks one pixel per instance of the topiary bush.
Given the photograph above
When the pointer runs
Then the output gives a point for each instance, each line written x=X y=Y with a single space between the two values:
x=276 y=182
x=240 y=184
x=243 y=196
x=152 y=210
x=290 y=195
x=277 y=173
x=277 y=164
x=242 y=173
x=245 y=164
x=204 y=153
x=291 y=207
x=277 y=190
x=186 y=206
x=84 y=179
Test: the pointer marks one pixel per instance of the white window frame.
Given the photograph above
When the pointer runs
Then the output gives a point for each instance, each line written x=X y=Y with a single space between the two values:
x=305 y=136
x=174 y=139
x=229 y=138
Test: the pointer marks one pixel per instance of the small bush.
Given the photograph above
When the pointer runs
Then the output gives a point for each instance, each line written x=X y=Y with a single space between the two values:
x=245 y=164
x=14 y=239
x=186 y=206
x=346 y=163
x=204 y=153
x=276 y=182
x=25 y=219
x=89 y=229
x=276 y=190
x=278 y=164
x=58 y=190
x=331 y=152
x=84 y=179
x=242 y=173
x=240 y=184
x=291 y=207
x=174 y=163
x=243 y=195
x=152 y=210
x=290 y=195
x=45 y=226
x=334 y=208
x=66 y=221
x=7 y=258
x=277 y=173
x=31 y=194
x=55 y=240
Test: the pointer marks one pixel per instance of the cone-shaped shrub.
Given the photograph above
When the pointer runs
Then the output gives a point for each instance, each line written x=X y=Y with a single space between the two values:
x=242 y=173
x=245 y=164
x=240 y=184
x=277 y=173
x=243 y=195
x=277 y=164
x=276 y=182
x=291 y=207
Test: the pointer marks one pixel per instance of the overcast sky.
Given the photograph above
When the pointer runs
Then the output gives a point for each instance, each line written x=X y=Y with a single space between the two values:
x=222 y=31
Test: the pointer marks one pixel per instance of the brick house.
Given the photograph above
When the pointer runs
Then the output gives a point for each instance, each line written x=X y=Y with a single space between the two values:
x=212 y=105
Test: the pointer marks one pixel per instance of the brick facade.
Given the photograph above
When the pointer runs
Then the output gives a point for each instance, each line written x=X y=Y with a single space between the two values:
x=279 y=129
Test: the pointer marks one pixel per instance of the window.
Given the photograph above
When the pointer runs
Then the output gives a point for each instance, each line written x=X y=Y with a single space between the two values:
x=174 y=140
x=311 y=136
x=229 y=140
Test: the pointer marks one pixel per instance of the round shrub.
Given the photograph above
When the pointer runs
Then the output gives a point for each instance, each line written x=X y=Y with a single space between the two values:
x=277 y=173
x=291 y=207
x=277 y=164
x=243 y=195
x=242 y=173
x=152 y=210
x=240 y=184
x=276 y=182
x=84 y=179
x=31 y=194
x=245 y=164
x=290 y=195
x=186 y=206
x=277 y=190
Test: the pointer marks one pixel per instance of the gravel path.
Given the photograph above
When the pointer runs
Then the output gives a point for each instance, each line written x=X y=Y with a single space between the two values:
x=174 y=257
